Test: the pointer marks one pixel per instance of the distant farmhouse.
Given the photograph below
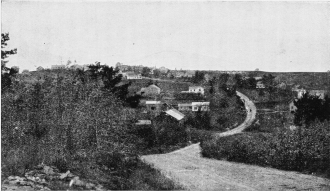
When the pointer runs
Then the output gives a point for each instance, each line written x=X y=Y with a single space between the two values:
x=56 y=67
x=153 y=106
x=40 y=68
x=260 y=85
x=194 y=106
x=150 y=91
x=132 y=76
x=195 y=89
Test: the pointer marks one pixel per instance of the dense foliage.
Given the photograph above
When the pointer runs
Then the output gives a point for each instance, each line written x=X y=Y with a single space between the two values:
x=310 y=108
x=305 y=150
x=6 y=73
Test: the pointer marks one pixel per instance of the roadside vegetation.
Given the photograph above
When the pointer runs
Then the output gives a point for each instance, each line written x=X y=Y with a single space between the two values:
x=82 y=121
x=304 y=148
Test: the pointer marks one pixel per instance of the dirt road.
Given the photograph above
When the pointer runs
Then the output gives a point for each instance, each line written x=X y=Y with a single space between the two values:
x=187 y=168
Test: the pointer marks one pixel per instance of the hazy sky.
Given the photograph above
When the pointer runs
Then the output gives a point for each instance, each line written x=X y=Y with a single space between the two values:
x=271 y=36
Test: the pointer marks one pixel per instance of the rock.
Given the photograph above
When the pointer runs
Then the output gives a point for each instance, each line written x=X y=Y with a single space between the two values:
x=64 y=175
x=48 y=170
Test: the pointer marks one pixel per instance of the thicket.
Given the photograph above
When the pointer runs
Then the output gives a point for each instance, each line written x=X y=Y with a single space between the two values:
x=304 y=150
x=77 y=120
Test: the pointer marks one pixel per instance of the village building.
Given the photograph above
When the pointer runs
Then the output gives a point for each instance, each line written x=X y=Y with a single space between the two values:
x=150 y=91
x=202 y=106
x=184 y=106
x=196 y=89
x=56 y=67
x=175 y=114
x=260 y=85
x=153 y=106
x=132 y=76
x=40 y=68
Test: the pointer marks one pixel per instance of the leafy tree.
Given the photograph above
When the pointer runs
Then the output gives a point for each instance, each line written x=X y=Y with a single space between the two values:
x=251 y=83
x=310 y=108
x=269 y=82
x=146 y=71
x=199 y=76
x=6 y=73
x=239 y=80
x=157 y=73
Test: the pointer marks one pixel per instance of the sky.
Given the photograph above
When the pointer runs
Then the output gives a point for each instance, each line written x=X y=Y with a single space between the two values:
x=195 y=35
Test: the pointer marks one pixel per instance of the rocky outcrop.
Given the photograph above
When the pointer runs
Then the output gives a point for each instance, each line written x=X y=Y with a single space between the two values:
x=42 y=177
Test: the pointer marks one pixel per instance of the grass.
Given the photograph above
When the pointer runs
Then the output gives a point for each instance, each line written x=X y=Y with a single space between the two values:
x=146 y=177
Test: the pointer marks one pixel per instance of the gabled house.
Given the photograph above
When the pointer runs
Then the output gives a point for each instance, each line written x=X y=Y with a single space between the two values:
x=150 y=91
x=203 y=106
x=132 y=76
x=153 y=106
x=260 y=85
x=40 y=68
x=196 y=89
x=184 y=106
x=56 y=67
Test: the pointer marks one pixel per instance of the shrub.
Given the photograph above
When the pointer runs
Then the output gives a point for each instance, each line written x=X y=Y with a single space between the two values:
x=304 y=150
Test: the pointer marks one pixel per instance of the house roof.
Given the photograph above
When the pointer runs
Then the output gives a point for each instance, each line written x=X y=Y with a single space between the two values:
x=153 y=102
x=143 y=122
x=200 y=103
x=175 y=113
x=184 y=104
x=195 y=87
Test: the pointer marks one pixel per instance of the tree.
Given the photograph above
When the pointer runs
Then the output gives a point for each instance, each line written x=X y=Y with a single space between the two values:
x=310 y=108
x=156 y=73
x=239 y=80
x=146 y=71
x=199 y=76
x=6 y=73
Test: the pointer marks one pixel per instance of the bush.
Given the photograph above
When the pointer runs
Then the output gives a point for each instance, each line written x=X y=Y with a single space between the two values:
x=147 y=178
x=304 y=150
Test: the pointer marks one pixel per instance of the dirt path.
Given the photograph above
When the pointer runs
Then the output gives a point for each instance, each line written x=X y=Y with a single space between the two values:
x=187 y=168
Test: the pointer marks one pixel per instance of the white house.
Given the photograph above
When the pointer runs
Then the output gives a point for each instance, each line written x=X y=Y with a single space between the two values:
x=153 y=105
x=132 y=76
x=184 y=106
x=196 y=89
x=260 y=85
x=203 y=106
x=55 y=67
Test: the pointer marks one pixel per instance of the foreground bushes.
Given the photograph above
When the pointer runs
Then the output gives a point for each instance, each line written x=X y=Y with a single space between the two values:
x=304 y=150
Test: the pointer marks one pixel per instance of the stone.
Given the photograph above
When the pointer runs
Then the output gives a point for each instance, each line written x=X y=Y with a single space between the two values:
x=48 y=170
x=64 y=175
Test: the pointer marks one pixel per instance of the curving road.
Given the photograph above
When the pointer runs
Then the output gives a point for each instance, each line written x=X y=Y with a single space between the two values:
x=187 y=168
